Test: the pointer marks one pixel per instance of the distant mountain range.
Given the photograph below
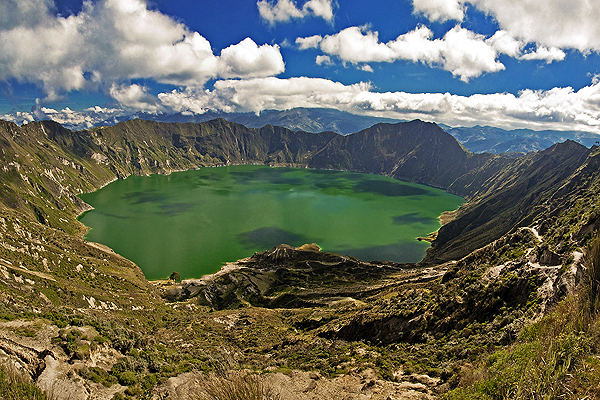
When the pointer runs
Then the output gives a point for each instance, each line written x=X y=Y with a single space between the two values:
x=487 y=139
x=478 y=139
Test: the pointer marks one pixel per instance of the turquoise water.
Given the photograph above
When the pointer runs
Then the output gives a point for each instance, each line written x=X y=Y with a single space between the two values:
x=194 y=221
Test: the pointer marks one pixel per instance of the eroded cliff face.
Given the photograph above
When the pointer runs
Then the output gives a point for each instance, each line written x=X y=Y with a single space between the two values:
x=77 y=313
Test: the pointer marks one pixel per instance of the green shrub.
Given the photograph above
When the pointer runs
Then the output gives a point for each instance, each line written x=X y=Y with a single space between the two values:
x=133 y=390
x=128 y=378
x=591 y=282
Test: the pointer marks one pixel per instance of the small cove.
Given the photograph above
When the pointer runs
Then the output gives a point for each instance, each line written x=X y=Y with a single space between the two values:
x=194 y=221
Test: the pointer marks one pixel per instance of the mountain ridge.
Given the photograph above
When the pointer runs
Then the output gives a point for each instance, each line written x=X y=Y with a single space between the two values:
x=478 y=139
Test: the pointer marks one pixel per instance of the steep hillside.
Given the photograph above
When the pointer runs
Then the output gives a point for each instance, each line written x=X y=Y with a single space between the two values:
x=524 y=193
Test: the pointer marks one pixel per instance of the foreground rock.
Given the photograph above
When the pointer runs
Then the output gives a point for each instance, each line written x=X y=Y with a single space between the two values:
x=298 y=385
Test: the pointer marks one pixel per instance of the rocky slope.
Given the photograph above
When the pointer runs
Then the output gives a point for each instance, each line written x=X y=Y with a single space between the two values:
x=75 y=313
x=523 y=193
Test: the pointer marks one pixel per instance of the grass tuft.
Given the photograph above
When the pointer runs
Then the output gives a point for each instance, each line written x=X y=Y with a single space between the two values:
x=16 y=384
x=237 y=385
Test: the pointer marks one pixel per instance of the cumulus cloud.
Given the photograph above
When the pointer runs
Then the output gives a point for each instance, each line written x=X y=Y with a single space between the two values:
x=263 y=94
x=464 y=53
x=113 y=41
x=320 y=8
x=323 y=60
x=566 y=24
x=286 y=10
x=506 y=44
x=440 y=10
x=84 y=119
x=543 y=53
x=561 y=24
x=247 y=59
x=135 y=97
x=309 y=42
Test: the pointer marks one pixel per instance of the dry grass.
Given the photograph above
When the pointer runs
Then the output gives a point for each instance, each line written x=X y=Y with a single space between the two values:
x=237 y=385
x=16 y=384
x=591 y=283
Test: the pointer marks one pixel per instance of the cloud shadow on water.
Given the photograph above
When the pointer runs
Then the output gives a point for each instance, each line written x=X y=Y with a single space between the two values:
x=145 y=196
x=172 y=209
x=411 y=218
x=110 y=215
x=271 y=236
x=222 y=192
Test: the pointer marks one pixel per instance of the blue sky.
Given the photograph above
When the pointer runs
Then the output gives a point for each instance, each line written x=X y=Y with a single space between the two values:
x=506 y=63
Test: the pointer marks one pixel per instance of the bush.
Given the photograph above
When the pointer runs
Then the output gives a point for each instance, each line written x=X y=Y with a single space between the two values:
x=175 y=277
x=127 y=378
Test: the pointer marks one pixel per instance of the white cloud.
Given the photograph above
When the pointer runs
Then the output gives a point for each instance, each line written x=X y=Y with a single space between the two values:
x=14 y=13
x=247 y=59
x=462 y=52
x=198 y=101
x=552 y=23
x=282 y=10
x=320 y=8
x=506 y=44
x=544 y=53
x=135 y=97
x=309 y=42
x=323 y=60
x=467 y=55
x=263 y=94
x=87 y=118
x=559 y=24
x=357 y=44
x=440 y=10
x=286 y=10
x=502 y=42
x=113 y=41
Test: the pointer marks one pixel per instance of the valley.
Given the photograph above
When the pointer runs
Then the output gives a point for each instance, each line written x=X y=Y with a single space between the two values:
x=81 y=319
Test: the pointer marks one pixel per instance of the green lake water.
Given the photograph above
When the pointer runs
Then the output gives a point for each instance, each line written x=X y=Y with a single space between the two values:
x=194 y=221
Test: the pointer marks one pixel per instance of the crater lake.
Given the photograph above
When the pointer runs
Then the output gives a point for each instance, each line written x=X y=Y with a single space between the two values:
x=194 y=221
